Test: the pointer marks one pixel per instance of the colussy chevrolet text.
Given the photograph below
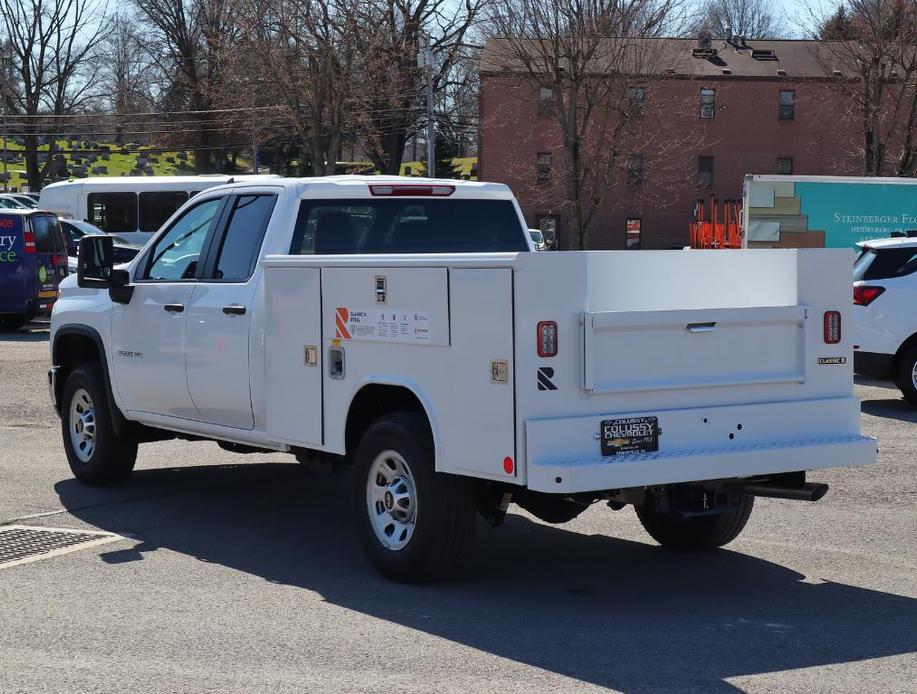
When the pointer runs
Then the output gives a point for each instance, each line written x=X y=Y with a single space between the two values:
x=406 y=328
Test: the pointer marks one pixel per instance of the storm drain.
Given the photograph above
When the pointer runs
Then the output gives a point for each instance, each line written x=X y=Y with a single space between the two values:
x=22 y=543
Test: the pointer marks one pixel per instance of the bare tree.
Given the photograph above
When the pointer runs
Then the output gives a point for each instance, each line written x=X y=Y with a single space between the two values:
x=389 y=36
x=195 y=39
x=52 y=43
x=749 y=18
x=876 y=68
x=304 y=51
x=584 y=57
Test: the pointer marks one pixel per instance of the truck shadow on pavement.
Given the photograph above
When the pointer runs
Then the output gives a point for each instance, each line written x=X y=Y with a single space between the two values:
x=898 y=408
x=611 y=612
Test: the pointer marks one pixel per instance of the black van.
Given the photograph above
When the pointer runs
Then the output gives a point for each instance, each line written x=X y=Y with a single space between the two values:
x=33 y=261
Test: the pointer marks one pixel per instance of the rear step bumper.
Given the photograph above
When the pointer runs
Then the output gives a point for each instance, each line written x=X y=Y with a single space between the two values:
x=651 y=469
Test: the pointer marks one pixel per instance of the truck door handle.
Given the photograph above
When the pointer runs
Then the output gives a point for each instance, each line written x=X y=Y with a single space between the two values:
x=701 y=327
x=174 y=308
x=234 y=310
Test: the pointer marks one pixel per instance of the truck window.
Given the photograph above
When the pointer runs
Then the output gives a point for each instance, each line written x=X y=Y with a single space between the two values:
x=156 y=207
x=113 y=212
x=242 y=240
x=176 y=253
x=407 y=225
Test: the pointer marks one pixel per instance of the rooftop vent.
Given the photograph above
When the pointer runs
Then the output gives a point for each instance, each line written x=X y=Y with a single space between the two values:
x=781 y=72
x=705 y=47
x=763 y=54
x=670 y=71
x=836 y=72
x=727 y=71
x=893 y=74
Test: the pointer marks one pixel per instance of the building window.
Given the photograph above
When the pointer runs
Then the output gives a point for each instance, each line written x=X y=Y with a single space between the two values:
x=787 y=104
x=785 y=166
x=633 y=233
x=545 y=101
x=635 y=169
x=544 y=168
x=707 y=103
x=705 y=171
x=637 y=96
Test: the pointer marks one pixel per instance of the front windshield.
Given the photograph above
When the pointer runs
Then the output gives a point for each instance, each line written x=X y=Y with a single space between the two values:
x=537 y=236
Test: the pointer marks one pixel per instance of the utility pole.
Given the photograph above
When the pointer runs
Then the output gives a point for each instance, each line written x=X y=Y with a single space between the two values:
x=431 y=138
x=6 y=65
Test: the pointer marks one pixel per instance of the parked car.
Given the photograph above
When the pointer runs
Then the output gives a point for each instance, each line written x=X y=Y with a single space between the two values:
x=30 y=201
x=33 y=260
x=123 y=250
x=538 y=239
x=885 y=311
x=9 y=202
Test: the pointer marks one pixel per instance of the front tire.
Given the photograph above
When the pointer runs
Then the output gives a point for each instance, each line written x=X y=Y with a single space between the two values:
x=906 y=377
x=415 y=524
x=702 y=532
x=96 y=455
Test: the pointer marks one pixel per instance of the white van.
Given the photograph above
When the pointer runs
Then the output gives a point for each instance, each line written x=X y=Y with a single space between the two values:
x=133 y=207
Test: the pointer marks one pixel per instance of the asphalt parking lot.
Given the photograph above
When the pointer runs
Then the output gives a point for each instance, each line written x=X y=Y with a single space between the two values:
x=240 y=574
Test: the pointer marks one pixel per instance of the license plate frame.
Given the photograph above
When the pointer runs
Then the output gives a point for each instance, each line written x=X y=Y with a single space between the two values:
x=629 y=435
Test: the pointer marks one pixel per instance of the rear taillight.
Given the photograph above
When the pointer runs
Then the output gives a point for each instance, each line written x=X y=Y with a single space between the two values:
x=832 y=327
x=863 y=294
x=411 y=189
x=28 y=240
x=547 y=338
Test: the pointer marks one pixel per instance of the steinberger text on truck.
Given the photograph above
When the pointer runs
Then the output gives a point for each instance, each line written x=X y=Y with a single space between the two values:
x=405 y=327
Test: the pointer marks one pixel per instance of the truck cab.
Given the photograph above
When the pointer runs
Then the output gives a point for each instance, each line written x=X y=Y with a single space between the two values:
x=404 y=327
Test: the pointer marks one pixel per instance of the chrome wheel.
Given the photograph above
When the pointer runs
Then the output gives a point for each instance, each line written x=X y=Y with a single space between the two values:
x=914 y=375
x=391 y=500
x=82 y=425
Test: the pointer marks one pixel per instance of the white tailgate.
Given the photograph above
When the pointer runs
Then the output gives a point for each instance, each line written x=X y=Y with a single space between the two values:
x=693 y=348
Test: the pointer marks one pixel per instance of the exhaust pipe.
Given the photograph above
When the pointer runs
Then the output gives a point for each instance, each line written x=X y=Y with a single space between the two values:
x=810 y=491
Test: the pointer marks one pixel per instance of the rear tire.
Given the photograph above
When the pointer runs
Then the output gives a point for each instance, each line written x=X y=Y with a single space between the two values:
x=415 y=524
x=703 y=532
x=906 y=377
x=96 y=455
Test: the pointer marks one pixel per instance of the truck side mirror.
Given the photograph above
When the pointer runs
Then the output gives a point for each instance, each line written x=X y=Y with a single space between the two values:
x=95 y=261
x=96 y=269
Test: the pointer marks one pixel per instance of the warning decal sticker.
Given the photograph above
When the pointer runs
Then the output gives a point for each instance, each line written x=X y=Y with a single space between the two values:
x=377 y=325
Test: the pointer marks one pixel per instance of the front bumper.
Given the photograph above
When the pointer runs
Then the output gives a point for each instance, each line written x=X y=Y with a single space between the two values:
x=697 y=444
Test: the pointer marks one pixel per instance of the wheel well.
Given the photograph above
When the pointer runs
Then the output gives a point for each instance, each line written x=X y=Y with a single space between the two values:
x=908 y=343
x=69 y=351
x=374 y=401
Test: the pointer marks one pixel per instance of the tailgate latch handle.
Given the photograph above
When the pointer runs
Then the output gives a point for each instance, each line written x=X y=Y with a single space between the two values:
x=701 y=327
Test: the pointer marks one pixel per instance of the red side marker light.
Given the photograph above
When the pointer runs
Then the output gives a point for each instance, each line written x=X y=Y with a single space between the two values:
x=832 y=327
x=508 y=465
x=547 y=338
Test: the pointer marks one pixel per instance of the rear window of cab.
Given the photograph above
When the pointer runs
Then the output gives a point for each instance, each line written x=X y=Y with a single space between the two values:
x=407 y=225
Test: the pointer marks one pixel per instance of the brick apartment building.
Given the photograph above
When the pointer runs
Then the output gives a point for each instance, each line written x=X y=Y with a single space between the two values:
x=757 y=107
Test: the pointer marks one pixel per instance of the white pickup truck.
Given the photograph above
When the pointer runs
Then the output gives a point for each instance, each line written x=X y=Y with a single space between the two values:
x=405 y=327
